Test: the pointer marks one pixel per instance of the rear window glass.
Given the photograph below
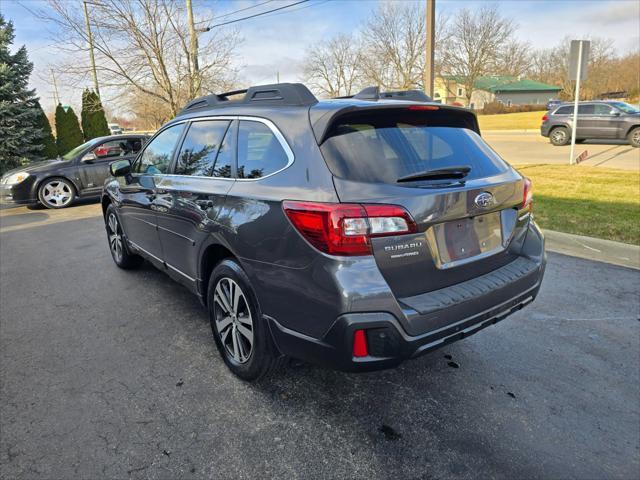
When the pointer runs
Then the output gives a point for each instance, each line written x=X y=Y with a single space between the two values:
x=564 y=110
x=383 y=147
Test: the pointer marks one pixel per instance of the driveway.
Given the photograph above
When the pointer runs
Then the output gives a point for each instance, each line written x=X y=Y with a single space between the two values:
x=530 y=147
x=112 y=374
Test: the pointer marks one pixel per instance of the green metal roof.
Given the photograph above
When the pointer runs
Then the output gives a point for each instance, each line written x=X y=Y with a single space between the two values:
x=506 y=83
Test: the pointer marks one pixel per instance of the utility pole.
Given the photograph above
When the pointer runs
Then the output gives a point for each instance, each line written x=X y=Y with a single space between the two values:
x=193 y=48
x=430 y=42
x=277 y=76
x=91 y=57
x=56 y=97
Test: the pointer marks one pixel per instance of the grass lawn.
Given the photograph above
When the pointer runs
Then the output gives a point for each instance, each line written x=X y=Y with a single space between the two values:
x=591 y=201
x=511 y=121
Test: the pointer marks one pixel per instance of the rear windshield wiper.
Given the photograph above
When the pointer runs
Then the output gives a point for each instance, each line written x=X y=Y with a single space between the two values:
x=456 y=172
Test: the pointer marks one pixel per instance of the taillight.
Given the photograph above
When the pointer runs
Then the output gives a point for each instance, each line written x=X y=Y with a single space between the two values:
x=545 y=118
x=528 y=195
x=346 y=228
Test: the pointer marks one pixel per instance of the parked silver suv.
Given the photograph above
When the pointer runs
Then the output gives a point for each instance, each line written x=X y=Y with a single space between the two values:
x=596 y=120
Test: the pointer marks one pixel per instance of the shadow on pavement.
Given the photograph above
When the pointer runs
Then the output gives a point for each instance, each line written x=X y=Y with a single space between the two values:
x=22 y=219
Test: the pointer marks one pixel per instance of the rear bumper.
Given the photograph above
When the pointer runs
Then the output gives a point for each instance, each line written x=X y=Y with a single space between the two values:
x=544 y=130
x=453 y=313
x=388 y=343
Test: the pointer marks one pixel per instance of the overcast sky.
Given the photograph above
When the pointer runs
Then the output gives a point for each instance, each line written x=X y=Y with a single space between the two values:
x=276 y=42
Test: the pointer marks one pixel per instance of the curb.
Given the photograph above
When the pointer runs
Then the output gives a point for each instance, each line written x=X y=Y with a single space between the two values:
x=597 y=249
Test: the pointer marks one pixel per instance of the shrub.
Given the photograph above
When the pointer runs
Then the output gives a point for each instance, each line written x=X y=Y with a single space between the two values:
x=50 y=150
x=67 y=130
x=94 y=121
x=494 y=108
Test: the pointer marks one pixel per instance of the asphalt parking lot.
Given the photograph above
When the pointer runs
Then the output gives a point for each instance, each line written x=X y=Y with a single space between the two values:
x=112 y=374
x=530 y=147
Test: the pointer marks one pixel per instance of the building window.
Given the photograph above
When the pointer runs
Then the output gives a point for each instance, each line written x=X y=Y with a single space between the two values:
x=459 y=91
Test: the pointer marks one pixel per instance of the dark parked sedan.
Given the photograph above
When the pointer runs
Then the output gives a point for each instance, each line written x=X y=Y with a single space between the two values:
x=79 y=173
x=597 y=120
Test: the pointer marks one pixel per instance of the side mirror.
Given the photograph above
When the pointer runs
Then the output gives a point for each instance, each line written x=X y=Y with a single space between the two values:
x=616 y=114
x=89 y=158
x=120 y=168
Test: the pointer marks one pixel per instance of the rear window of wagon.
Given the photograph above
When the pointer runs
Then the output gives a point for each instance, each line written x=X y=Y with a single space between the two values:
x=382 y=146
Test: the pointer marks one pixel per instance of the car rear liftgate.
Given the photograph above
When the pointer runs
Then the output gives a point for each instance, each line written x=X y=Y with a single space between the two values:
x=469 y=216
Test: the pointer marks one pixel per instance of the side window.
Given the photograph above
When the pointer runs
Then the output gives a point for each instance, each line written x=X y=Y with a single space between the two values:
x=109 y=150
x=118 y=148
x=156 y=157
x=602 y=109
x=199 y=154
x=585 y=109
x=568 y=110
x=259 y=151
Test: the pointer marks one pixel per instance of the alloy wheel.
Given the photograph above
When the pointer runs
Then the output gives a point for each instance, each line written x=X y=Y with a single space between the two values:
x=233 y=320
x=57 y=193
x=115 y=237
x=559 y=136
x=635 y=138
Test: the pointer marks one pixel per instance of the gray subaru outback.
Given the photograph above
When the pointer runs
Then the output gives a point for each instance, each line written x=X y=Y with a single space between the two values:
x=351 y=233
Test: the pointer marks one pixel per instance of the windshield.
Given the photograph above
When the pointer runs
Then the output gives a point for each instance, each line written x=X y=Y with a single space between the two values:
x=385 y=147
x=625 y=107
x=74 y=153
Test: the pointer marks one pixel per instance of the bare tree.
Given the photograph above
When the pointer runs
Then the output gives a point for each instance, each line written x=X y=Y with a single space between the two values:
x=333 y=68
x=142 y=47
x=515 y=59
x=604 y=74
x=476 y=43
x=394 y=45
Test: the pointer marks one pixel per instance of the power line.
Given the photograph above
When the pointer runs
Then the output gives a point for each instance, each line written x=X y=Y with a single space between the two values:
x=241 y=10
x=256 y=14
x=317 y=4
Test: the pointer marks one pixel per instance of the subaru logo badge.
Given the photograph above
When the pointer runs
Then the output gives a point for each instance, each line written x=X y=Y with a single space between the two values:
x=484 y=200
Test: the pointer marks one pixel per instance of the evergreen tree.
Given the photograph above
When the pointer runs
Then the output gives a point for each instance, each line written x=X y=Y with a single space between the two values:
x=94 y=121
x=84 y=117
x=50 y=150
x=68 y=132
x=19 y=135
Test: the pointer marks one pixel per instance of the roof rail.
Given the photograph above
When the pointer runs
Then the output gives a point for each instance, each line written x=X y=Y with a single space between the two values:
x=409 y=95
x=373 y=93
x=279 y=94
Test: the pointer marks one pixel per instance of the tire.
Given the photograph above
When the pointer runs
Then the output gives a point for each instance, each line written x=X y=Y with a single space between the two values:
x=120 y=253
x=241 y=335
x=560 y=136
x=56 y=193
x=634 y=137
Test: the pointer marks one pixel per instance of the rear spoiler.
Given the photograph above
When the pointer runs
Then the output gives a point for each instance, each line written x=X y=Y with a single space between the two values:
x=322 y=117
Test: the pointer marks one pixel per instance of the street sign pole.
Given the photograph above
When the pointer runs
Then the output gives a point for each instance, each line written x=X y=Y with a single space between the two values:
x=575 y=107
